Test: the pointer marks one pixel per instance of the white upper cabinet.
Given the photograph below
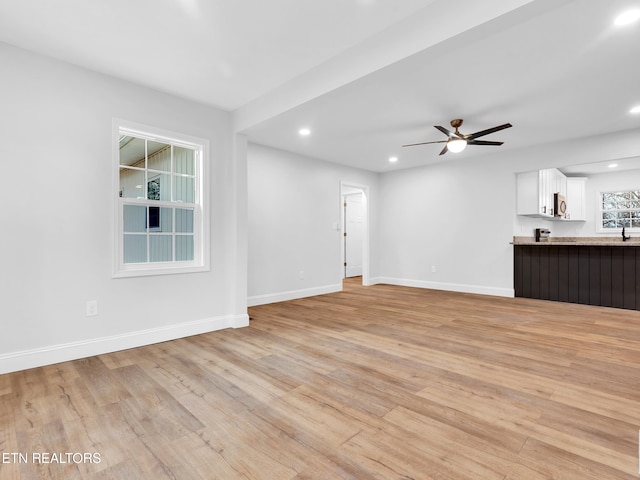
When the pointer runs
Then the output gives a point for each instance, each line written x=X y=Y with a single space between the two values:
x=536 y=190
x=576 y=192
x=531 y=187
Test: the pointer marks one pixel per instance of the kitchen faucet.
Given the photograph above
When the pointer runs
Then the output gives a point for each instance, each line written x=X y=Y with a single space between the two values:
x=625 y=237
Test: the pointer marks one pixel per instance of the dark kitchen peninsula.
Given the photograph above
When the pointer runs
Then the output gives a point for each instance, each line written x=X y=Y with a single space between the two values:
x=592 y=271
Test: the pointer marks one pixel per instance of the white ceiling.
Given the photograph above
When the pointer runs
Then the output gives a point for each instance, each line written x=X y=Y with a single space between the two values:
x=367 y=76
x=608 y=166
x=220 y=52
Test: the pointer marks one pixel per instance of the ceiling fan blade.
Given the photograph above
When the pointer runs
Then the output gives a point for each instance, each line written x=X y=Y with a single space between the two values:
x=482 y=142
x=482 y=133
x=445 y=149
x=445 y=131
x=424 y=143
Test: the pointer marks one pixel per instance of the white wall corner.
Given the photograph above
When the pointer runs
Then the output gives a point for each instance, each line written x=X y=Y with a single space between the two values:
x=293 y=294
x=239 y=321
x=374 y=281
x=38 y=357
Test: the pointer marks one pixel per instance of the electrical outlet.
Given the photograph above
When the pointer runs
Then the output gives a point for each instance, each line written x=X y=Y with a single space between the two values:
x=301 y=275
x=433 y=269
x=92 y=308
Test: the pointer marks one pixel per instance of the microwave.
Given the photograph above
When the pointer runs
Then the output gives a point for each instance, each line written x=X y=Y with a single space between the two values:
x=559 y=205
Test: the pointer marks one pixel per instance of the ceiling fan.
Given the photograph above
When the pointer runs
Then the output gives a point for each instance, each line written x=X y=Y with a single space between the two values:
x=458 y=141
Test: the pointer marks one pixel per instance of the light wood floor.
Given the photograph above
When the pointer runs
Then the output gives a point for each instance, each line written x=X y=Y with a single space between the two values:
x=374 y=382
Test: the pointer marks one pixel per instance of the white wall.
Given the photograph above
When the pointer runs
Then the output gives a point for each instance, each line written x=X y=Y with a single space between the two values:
x=56 y=217
x=294 y=202
x=453 y=217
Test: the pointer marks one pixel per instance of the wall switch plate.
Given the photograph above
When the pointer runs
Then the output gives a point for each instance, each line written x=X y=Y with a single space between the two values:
x=92 y=308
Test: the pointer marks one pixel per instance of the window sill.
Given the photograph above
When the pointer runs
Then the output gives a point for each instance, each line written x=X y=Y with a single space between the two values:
x=147 y=270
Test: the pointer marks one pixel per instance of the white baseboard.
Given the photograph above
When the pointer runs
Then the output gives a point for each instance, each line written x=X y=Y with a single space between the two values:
x=13 y=362
x=292 y=295
x=451 y=287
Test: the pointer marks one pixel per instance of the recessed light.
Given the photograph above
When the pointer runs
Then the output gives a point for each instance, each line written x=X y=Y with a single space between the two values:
x=612 y=165
x=627 y=17
x=305 y=132
x=393 y=159
x=635 y=109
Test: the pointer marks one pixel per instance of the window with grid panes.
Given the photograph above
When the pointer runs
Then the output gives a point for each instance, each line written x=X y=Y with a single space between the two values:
x=160 y=214
x=620 y=209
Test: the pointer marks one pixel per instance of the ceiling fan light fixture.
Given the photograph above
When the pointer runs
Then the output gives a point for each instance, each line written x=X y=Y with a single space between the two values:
x=457 y=142
x=456 y=145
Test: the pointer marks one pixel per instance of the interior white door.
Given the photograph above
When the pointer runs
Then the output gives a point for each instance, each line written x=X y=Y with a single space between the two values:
x=353 y=231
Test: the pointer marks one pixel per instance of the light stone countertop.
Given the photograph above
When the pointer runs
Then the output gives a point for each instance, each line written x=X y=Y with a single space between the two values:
x=580 y=241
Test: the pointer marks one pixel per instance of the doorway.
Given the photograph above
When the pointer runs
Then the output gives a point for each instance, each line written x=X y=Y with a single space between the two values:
x=352 y=228
x=355 y=232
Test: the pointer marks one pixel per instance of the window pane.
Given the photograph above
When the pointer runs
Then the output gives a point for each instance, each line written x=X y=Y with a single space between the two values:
x=135 y=218
x=184 y=220
x=159 y=187
x=153 y=189
x=154 y=218
x=131 y=183
x=159 y=156
x=184 y=160
x=132 y=151
x=135 y=249
x=619 y=196
x=184 y=248
x=165 y=217
x=623 y=219
x=184 y=189
x=160 y=248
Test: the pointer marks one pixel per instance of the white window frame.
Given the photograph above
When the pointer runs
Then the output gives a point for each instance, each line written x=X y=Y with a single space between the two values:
x=600 y=211
x=201 y=245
